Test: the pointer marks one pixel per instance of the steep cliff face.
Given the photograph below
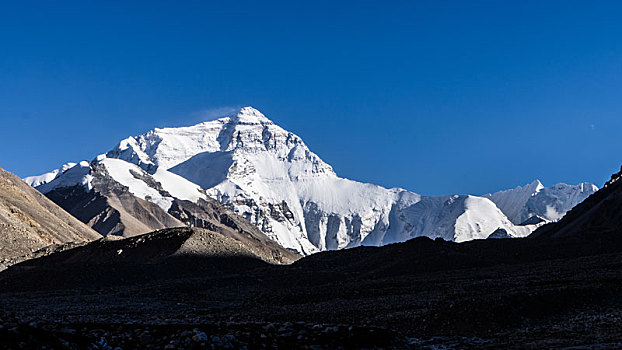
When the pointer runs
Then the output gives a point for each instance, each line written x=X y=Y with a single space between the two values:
x=268 y=176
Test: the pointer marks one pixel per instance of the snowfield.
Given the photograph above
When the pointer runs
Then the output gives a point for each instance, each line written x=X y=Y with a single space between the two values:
x=271 y=178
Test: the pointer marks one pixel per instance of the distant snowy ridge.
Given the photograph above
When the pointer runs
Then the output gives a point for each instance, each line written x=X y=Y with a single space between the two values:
x=271 y=178
x=35 y=181
x=548 y=203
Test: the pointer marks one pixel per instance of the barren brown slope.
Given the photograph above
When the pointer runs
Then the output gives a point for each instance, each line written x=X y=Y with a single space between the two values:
x=110 y=209
x=30 y=221
x=113 y=210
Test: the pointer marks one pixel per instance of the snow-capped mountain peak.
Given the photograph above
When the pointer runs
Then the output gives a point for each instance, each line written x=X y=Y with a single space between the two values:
x=270 y=177
x=247 y=132
x=250 y=116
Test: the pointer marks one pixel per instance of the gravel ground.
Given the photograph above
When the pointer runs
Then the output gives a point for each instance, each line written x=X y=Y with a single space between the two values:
x=421 y=295
x=38 y=332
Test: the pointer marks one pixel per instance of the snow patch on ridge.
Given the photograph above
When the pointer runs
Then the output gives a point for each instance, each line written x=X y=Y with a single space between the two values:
x=127 y=174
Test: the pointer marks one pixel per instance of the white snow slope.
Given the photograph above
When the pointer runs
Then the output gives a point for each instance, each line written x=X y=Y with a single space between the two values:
x=35 y=181
x=269 y=176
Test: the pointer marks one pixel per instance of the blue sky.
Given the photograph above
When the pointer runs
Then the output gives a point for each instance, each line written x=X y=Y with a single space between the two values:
x=436 y=97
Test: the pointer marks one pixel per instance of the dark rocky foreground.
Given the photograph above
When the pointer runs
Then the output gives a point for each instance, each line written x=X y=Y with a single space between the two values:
x=505 y=293
x=175 y=335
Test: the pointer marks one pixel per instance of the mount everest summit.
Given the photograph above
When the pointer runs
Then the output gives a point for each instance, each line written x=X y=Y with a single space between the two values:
x=175 y=176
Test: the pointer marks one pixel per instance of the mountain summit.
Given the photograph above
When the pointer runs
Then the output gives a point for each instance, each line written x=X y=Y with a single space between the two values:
x=271 y=178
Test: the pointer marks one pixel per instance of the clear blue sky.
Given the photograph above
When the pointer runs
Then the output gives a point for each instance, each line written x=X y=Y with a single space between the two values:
x=432 y=96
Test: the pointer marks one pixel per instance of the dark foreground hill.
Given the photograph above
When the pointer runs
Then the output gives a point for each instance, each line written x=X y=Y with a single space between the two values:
x=161 y=255
x=542 y=292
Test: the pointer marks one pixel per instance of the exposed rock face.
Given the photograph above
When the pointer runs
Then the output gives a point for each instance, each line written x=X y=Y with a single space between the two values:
x=29 y=221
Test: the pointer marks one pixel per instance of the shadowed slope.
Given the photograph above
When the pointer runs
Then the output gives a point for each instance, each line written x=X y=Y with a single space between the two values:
x=176 y=253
